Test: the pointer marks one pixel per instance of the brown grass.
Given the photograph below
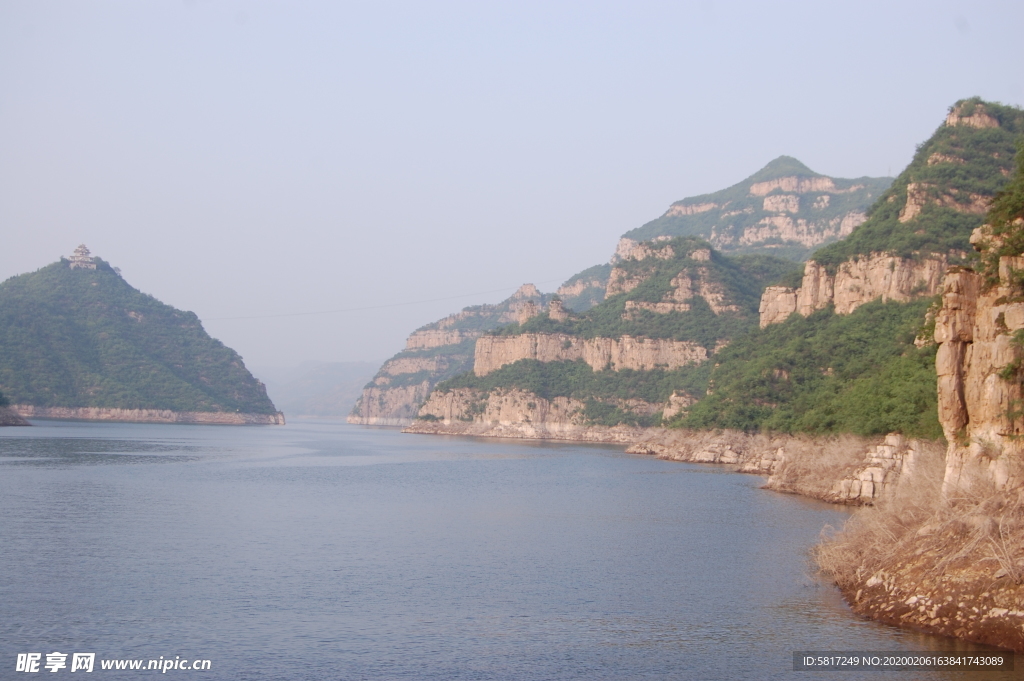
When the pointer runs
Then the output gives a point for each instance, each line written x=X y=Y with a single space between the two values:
x=813 y=465
x=918 y=533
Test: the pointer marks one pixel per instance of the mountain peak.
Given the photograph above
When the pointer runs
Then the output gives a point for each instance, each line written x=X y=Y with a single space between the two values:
x=783 y=166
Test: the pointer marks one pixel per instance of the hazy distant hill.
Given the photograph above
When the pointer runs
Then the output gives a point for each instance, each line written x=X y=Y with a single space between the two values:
x=319 y=389
x=785 y=209
x=85 y=338
x=433 y=353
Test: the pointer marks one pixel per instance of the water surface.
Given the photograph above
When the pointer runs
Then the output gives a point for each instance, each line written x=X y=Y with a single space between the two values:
x=327 y=551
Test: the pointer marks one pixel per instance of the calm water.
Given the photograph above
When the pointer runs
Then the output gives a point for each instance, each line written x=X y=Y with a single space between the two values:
x=325 y=551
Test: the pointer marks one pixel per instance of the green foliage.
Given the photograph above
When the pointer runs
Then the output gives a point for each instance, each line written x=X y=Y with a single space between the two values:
x=591 y=295
x=740 y=279
x=85 y=338
x=828 y=373
x=1006 y=220
x=968 y=162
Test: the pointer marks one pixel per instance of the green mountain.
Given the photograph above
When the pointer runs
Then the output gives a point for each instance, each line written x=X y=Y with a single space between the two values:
x=785 y=209
x=676 y=289
x=863 y=372
x=679 y=288
x=83 y=337
x=935 y=203
x=868 y=372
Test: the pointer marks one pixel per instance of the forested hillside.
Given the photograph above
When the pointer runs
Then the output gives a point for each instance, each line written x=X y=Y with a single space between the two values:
x=85 y=338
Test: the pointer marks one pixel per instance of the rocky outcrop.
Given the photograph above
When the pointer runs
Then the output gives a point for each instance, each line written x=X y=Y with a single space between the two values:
x=797 y=185
x=437 y=338
x=855 y=282
x=9 y=417
x=801 y=231
x=389 y=406
x=920 y=194
x=434 y=353
x=981 y=406
x=639 y=354
x=147 y=415
x=977 y=117
x=777 y=303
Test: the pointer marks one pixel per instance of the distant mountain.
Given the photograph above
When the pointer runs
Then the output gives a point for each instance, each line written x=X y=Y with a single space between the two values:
x=325 y=390
x=74 y=334
x=434 y=353
x=785 y=209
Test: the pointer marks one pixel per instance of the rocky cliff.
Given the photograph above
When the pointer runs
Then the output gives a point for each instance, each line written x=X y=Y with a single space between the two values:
x=857 y=281
x=978 y=329
x=434 y=353
x=626 y=352
x=784 y=209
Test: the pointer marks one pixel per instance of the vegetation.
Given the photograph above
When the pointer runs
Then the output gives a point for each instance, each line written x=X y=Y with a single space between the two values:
x=591 y=295
x=954 y=168
x=740 y=280
x=1006 y=220
x=737 y=209
x=85 y=338
x=859 y=373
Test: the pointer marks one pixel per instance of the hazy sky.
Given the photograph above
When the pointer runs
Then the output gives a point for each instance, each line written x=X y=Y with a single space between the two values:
x=242 y=159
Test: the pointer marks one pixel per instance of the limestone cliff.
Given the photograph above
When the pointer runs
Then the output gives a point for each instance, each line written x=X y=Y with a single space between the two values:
x=785 y=209
x=980 y=392
x=855 y=282
x=434 y=353
x=626 y=352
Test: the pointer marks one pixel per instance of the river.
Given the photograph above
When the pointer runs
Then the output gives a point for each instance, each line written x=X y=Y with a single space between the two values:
x=328 y=551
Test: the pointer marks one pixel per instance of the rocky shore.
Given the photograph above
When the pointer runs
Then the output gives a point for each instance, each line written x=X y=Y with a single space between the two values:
x=147 y=415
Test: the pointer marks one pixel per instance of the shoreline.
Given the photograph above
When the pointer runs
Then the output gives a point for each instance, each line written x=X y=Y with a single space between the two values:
x=839 y=469
x=27 y=411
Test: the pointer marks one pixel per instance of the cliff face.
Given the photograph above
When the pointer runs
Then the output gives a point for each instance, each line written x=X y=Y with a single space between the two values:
x=785 y=209
x=434 y=353
x=855 y=282
x=980 y=397
x=640 y=354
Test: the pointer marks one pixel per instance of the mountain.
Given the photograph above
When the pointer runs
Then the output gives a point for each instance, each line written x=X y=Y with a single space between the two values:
x=75 y=335
x=782 y=210
x=433 y=353
x=850 y=360
x=785 y=209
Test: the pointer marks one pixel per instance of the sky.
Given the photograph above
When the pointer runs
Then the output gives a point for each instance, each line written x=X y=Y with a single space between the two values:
x=316 y=180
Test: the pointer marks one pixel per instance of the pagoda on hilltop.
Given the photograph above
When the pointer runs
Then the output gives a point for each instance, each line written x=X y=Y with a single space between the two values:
x=81 y=260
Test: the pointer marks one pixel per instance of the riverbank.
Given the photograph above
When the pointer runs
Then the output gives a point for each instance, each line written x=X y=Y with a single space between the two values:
x=147 y=415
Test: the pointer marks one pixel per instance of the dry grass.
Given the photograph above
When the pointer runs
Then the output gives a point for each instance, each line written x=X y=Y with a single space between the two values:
x=812 y=466
x=915 y=530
